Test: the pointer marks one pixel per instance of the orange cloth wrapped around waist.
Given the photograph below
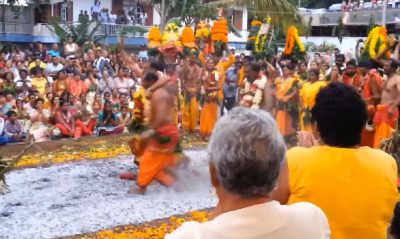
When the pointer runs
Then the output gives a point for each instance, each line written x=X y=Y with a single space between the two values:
x=165 y=140
x=158 y=154
x=381 y=115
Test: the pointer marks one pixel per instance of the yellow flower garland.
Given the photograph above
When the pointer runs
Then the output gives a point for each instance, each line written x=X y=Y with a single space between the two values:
x=377 y=34
x=260 y=47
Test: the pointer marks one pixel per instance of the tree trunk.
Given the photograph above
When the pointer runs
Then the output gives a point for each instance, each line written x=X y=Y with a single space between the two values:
x=162 y=17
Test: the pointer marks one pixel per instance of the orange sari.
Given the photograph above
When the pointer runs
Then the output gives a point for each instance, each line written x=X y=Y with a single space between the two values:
x=209 y=111
x=384 y=125
x=283 y=119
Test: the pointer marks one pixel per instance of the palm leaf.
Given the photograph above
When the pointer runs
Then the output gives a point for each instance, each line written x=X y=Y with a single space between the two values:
x=58 y=29
x=7 y=164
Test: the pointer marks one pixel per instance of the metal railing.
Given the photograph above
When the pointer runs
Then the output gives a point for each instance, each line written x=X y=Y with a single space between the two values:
x=360 y=17
x=16 y=28
x=111 y=29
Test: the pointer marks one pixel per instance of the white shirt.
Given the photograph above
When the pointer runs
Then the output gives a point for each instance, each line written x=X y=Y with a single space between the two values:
x=51 y=68
x=264 y=221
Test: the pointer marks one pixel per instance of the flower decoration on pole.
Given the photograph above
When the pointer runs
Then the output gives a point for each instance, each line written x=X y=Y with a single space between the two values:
x=293 y=47
x=188 y=40
x=255 y=26
x=376 y=43
x=154 y=40
x=219 y=35
x=203 y=37
x=171 y=44
x=265 y=47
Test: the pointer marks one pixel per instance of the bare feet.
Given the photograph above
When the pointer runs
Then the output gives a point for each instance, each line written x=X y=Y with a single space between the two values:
x=136 y=190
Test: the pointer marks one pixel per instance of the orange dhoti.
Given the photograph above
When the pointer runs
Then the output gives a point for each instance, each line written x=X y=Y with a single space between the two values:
x=208 y=117
x=190 y=113
x=284 y=122
x=158 y=155
x=368 y=135
x=384 y=125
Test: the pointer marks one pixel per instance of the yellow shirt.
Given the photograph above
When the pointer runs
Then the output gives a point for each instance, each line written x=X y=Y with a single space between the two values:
x=39 y=84
x=33 y=64
x=355 y=188
x=309 y=92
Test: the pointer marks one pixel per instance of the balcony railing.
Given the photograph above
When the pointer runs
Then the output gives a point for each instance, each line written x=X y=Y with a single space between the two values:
x=361 y=17
x=16 y=28
x=111 y=29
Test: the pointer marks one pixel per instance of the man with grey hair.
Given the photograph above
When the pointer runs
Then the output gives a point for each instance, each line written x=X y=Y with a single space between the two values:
x=246 y=153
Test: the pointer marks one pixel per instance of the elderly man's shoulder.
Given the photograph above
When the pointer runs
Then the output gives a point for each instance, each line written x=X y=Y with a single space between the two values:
x=186 y=230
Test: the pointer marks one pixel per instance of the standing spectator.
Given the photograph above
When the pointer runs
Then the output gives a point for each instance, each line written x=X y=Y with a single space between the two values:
x=143 y=55
x=86 y=16
x=230 y=87
x=81 y=17
x=95 y=10
x=113 y=17
x=104 y=15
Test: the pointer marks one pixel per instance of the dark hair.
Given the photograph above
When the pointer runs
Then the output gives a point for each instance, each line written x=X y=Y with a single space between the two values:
x=157 y=65
x=151 y=77
x=340 y=114
x=365 y=63
x=315 y=71
x=393 y=64
x=106 y=93
x=249 y=58
x=340 y=56
x=36 y=70
x=11 y=113
x=39 y=100
x=23 y=70
x=352 y=62
x=254 y=66
x=290 y=66
x=52 y=100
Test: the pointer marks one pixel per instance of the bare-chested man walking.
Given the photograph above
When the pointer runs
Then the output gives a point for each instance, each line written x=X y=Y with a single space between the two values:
x=159 y=142
x=387 y=111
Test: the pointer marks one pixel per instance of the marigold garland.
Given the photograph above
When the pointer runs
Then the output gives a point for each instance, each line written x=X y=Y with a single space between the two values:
x=187 y=37
x=154 y=37
x=170 y=35
x=259 y=47
x=219 y=31
x=155 y=230
x=202 y=30
x=376 y=42
x=255 y=23
x=292 y=38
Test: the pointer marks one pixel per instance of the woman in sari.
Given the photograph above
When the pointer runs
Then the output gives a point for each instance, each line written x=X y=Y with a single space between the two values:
x=39 y=118
x=286 y=91
x=208 y=115
x=308 y=92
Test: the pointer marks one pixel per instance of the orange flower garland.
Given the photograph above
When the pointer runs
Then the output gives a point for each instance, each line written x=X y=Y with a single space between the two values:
x=219 y=31
x=187 y=37
x=154 y=37
x=292 y=38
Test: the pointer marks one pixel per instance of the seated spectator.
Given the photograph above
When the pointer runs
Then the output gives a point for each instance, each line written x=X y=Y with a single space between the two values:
x=67 y=124
x=9 y=84
x=356 y=187
x=246 y=152
x=70 y=48
x=61 y=83
x=54 y=67
x=54 y=52
x=76 y=85
x=39 y=119
x=37 y=63
x=22 y=115
x=23 y=84
x=39 y=82
x=107 y=121
x=91 y=82
x=4 y=106
x=106 y=83
x=124 y=117
x=123 y=82
x=13 y=128
x=48 y=100
x=3 y=135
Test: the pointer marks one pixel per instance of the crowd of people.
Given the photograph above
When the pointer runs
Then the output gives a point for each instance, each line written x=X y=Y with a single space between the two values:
x=134 y=16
